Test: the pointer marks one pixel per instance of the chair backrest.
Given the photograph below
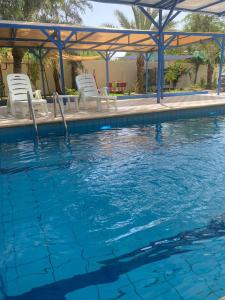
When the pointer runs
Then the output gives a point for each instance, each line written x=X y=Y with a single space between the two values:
x=86 y=83
x=19 y=85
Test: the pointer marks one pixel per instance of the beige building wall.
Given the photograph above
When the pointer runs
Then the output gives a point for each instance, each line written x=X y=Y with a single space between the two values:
x=119 y=70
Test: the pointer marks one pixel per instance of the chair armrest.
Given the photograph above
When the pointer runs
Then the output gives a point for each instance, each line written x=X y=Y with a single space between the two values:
x=104 y=91
x=37 y=94
x=81 y=95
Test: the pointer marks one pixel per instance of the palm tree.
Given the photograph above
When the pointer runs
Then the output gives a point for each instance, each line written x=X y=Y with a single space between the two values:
x=68 y=11
x=206 y=23
x=141 y=22
x=197 y=60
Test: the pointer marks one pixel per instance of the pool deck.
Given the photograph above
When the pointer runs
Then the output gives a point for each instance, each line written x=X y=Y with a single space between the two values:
x=125 y=108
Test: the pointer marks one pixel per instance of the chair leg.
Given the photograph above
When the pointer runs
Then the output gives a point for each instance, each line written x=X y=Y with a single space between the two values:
x=99 y=105
x=45 y=108
x=24 y=111
x=115 y=104
x=76 y=104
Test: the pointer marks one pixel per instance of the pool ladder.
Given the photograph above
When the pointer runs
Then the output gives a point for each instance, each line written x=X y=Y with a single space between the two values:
x=32 y=115
x=55 y=101
x=33 y=118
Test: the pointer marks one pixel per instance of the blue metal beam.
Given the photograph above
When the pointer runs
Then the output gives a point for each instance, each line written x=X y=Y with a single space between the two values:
x=41 y=27
x=167 y=21
x=60 y=48
x=163 y=4
x=154 y=37
x=159 y=69
x=109 y=42
x=147 y=58
x=107 y=59
x=169 y=41
x=174 y=16
x=73 y=32
x=142 y=47
x=91 y=29
x=80 y=40
x=162 y=66
x=50 y=38
x=107 y=55
x=219 y=44
x=148 y=16
x=221 y=65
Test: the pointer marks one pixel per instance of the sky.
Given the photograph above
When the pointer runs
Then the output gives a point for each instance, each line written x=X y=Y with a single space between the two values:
x=104 y=14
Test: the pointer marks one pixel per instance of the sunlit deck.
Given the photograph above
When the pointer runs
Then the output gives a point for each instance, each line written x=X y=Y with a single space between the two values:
x=125 y=108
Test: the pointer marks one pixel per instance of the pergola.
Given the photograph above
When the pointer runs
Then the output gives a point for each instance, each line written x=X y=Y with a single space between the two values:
x=173 y=9
x=106 y=41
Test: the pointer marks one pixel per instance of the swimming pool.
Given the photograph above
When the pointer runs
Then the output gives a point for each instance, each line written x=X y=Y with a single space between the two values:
x=130 y=213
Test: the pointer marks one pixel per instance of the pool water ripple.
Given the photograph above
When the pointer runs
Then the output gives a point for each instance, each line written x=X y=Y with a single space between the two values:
x=131 y=213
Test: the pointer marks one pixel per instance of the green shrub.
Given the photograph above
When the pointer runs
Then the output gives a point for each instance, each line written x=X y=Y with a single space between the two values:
x=71 y=91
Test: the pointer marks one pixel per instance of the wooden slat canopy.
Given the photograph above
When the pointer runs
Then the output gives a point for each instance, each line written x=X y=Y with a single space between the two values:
x=52 y=36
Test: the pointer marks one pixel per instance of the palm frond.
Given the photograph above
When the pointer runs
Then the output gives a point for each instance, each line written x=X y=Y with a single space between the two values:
x=123 y=20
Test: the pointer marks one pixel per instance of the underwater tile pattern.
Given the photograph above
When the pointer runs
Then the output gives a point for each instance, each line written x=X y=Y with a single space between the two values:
x=135 y=212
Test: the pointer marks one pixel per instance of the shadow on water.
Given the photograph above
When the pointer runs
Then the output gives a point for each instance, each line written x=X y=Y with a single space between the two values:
x=112 y=269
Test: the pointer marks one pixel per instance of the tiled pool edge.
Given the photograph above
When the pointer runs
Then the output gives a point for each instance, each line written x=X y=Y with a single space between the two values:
x=84 y=125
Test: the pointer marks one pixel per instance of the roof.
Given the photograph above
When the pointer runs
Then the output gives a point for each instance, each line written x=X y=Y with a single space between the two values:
x=46 y=35
x=154 y=57
x=202 y=6
x=54 y=55
x=72 y=58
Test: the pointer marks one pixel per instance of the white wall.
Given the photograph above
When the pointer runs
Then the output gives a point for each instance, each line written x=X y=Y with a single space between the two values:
x=119 y=70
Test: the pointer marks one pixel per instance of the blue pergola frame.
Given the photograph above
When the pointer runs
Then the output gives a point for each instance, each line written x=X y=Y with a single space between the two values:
x=162 y=45
x=171 y=6
x=208 y=8
x=158 y=36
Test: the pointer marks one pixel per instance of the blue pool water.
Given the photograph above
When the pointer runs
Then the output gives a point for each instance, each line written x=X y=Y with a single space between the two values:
x=132 y=213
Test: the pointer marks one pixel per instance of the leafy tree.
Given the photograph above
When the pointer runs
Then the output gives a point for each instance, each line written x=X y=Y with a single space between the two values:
x=197 y=60
x=68 y=11
x=206 y=23
x=62 y=11
x=33 y=68
x=174 y=72
x=140 y=21
x=203 y=23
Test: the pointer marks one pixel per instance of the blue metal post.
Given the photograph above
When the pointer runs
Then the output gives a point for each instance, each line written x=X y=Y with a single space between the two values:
x=42 y=72
x=162 y=66
x=60 y=48
x=147 y=58
x=107 y=59
x=221 y=66
x=159 y=58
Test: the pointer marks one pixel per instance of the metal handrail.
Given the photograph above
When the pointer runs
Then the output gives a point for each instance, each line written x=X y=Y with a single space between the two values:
x=56 y=99
x=32 y=114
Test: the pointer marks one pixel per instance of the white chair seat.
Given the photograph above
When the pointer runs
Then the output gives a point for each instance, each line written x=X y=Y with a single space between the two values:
x=19 y=85
x=36 y=101
x=87 y=87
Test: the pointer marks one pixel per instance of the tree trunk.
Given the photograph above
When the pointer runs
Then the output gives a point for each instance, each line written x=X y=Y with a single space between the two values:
x=196 y=73
x=56 y=78
x=140 y=74
x=210 y=70
x=174 y=82
x=18 y=54
x=73 y=75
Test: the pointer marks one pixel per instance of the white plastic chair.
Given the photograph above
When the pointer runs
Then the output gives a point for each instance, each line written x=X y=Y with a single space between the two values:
x=88 y=90
x=19 y=85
